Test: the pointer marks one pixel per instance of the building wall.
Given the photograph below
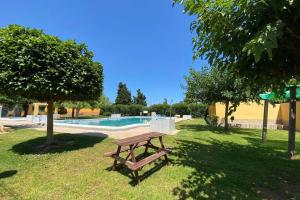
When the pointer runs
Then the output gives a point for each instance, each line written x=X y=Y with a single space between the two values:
x=34 y=109
x=254 y=112
x=285 y=114
x=86 y=111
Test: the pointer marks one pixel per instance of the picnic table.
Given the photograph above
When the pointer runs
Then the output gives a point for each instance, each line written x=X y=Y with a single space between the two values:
x=130 y=144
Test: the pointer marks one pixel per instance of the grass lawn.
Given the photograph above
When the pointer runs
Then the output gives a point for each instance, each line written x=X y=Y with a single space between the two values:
x=206 y=163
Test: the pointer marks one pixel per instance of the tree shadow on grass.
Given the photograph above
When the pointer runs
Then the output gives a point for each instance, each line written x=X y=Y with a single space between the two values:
x=8 y=173
x=216 y=129
x=123 y=169
x=226 y=170
x=142 y=174
x=64 y=142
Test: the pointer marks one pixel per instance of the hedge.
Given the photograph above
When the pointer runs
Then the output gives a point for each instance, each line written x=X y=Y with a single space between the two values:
x=126 y=110
x=196 y=110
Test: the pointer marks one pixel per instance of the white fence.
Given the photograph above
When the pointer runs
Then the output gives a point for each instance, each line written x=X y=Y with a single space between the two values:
x=40 y=118
x=115 y=116
x=187 y=117
x=163 y=125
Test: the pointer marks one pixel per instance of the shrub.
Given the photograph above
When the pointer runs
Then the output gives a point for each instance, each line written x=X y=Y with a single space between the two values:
x=62 y=110
x=180 y=109
x=127 y=110
x=106 y=113
x=212 y=120
x=161 y=109
x=197 y=110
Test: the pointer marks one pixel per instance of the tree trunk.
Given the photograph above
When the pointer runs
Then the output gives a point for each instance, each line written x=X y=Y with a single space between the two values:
x=25 y=108
x=77 y=112
x=226 y=115
x=292 y=122
x=73 y=112
x=50 y=123
x=265 y=122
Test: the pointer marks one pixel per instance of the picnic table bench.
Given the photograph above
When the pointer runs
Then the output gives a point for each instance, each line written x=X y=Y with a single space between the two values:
x=130 y=144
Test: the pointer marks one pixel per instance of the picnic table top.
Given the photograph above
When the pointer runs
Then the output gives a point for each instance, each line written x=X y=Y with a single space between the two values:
x=138 y=138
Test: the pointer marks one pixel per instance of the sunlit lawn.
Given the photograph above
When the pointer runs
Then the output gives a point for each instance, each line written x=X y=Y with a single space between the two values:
x=206 y=163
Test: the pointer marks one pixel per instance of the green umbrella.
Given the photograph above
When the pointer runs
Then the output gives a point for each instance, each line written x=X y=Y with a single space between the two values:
x=267 y=96
x=287 y=93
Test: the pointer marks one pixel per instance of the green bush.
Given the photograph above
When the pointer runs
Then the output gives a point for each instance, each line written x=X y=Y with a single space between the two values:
x=180 y=109
x=212 y=120
x=197 y=110
x=126 y=110
x=161 y=109
x=62 y=110
x=106 y=114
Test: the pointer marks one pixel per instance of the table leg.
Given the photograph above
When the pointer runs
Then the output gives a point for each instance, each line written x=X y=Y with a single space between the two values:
x=132 y=153
x=163 y=148
x=115 y=161
x=147 y=146
x=132 y=147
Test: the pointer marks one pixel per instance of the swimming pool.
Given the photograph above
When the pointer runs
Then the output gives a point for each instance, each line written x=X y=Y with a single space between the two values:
x=108 y=122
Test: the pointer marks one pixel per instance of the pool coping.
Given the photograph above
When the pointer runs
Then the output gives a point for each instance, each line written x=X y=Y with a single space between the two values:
x=103 y=128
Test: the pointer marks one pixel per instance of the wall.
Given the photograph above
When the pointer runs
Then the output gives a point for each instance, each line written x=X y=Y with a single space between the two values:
x=86 y=111
x=251 y=111
x=34 y=110
x=285 y=114
x=254 y=112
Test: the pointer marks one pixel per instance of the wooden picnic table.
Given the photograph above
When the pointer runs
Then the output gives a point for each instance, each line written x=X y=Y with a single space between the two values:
x=130 y=144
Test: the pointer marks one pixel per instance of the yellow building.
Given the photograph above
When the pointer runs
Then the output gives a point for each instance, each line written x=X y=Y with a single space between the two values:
x=253 y=113
x=41 y=109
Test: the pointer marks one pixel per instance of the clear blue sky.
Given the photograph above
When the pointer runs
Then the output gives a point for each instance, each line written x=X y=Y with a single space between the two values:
x=146 y=44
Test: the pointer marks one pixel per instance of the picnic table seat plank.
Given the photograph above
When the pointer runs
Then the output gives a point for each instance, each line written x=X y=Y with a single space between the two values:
x=131 y=143
x=147 y=160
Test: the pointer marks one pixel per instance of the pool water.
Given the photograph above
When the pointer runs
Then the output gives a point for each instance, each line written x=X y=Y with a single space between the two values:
x=123 y=121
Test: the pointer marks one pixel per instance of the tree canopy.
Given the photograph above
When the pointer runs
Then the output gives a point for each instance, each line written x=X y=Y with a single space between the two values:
x=41 y=67
x=259 y=38
x=140 y=98
x=123 y=95
x=209 y=86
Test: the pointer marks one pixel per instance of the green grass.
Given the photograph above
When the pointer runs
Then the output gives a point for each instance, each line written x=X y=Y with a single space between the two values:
x=206 y=163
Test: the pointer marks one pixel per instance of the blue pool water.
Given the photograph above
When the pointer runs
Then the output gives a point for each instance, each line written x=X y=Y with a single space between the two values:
x=123 y=121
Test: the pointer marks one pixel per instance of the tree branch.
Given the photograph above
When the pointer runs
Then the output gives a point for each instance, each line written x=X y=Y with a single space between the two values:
x=289 y=30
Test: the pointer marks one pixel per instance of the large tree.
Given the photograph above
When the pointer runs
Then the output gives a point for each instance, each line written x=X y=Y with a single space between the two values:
x=260 y=38
x=140 y=98
x=123 y=95
x=41 y=67
x=213 y=85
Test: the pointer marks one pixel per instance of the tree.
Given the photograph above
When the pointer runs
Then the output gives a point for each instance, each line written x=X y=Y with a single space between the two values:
x=165 y=101
x=260 y=38
x=123 y=95
x=140 y=98
x=16 y=100
x=103 y=101
x=211 y=86
x=41 y=67
x=78 y=105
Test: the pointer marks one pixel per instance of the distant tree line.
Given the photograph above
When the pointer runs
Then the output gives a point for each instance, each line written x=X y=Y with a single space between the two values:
x=124 y=96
